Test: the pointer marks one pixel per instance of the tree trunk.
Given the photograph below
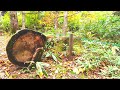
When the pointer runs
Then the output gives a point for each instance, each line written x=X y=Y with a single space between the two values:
x=13 y=21
x=38 y=15
x=70 y=47
x=25 y=46
x=65 y=23
x=56 y=19
x=23 y=20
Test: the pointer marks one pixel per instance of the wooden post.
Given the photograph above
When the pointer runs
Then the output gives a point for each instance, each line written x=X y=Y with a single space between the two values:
x=70 y=47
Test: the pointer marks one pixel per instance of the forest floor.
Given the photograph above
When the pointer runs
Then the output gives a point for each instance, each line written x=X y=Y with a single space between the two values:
x=55 y=70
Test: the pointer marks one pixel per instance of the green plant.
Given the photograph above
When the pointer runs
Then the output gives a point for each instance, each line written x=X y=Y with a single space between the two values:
x=40 y=69
x=25 y=70
x=31 y=20
x=74 y=22
x=51 y=54
x=111 y=71
x=6 y=22
x=94 y=53
x=103 y=25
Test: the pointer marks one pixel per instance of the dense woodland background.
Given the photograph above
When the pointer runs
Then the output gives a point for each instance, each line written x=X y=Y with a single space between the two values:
x=96 y=44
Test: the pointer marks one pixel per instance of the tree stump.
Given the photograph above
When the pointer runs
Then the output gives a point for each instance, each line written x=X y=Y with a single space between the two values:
x=25 y=46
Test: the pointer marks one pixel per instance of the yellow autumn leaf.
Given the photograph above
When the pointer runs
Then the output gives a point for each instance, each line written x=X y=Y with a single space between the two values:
x=10 y=77
x=81 y=70
x=40 y=74
x=82 y=76
x=7 y=74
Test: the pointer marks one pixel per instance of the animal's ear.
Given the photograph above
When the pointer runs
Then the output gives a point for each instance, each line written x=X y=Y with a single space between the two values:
x=3 y=12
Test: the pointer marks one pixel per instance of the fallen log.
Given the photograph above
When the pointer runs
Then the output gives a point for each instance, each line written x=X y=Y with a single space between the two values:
x=25 y=46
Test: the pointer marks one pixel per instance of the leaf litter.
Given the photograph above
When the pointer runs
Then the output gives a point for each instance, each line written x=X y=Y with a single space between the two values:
x=63 y=69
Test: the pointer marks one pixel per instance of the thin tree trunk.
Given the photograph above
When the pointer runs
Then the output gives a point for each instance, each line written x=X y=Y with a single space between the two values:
x=70 y=47
x=56 y=20
x=38 y=15
x=65 y=23
x=23 y=20
x=13 y=21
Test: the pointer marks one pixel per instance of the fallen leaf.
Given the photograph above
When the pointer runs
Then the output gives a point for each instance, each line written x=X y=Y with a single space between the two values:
x=7 y=74
x=81 y=70
x=54 y=57
x=40 y=74
x=56 y=71
x=75 y=70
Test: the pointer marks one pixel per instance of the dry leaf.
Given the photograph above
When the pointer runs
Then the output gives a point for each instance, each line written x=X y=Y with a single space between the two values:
x=75 y=70
x=40 y=74
x=7 y=74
